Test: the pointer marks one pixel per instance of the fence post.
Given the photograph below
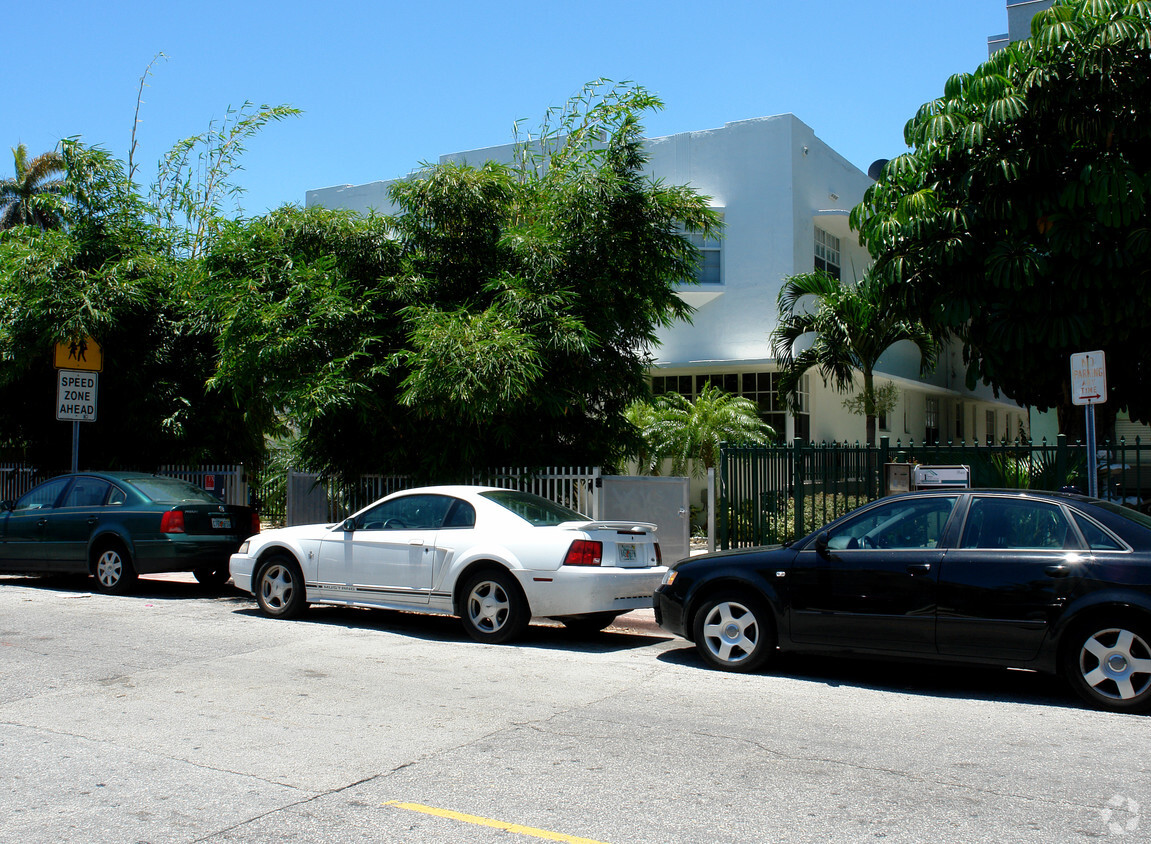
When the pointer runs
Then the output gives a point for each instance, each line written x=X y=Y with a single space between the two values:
x=884 y=459
x=1061 y=459
x=797 y=494
x=724 y=480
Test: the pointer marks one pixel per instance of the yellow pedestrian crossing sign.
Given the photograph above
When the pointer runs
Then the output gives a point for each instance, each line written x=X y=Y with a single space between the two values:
x=84 y=354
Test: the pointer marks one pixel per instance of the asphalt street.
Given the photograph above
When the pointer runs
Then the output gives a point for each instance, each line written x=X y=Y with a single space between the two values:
x=177 y=715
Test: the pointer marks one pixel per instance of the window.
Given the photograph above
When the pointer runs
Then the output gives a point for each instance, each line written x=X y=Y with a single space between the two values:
x=762 y=388
x=1016 y=523
x=539 y=512
x=959 y=421
x=931 y=420
x=710 y=269
x=1097 y=538
x=42 y=496
x=918 y=523
x=990 y=417
x=86 y=492
x=826 y=252
x=409 y=512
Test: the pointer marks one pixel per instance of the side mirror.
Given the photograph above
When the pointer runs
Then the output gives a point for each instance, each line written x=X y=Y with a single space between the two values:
x=349 y=525
x=821 y=543
x=7 y=505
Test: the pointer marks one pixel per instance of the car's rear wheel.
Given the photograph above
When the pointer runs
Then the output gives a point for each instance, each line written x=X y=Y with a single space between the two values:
x=211 y=577
x=280 y=588
x=113 y=570
x=494 y=609
x=592 y=622
x=1108 y=663
x=734 y=632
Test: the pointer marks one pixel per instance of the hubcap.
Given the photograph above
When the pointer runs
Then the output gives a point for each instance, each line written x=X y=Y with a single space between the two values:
x=731 y=632
x=1116 y=664
x=488 y=606
x=276 y=587
x=109 y=568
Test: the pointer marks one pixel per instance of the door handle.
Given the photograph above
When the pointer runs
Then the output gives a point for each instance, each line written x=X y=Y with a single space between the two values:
x=415 y=542
x=1057 y=571
x=93 y=520
x=919 y=568
x=42 y=523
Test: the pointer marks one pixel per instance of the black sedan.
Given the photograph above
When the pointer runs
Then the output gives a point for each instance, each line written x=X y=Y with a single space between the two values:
x=1057 y=583
x=116 y=526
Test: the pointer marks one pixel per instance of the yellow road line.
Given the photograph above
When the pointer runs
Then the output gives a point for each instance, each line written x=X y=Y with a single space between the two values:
x=509 y=827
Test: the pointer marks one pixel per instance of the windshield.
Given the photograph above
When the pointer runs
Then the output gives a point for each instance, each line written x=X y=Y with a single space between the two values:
x=533 y=509
x=170 y=489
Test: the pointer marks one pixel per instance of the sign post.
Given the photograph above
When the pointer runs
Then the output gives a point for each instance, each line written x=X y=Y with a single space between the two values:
x=1089 y=388
x=79 y=363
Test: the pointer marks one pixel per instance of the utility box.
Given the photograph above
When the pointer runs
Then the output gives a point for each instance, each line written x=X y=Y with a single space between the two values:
x=907 y=477
x=896 y=478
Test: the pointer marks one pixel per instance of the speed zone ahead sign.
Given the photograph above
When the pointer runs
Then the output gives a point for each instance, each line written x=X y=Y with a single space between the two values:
x=76 y=396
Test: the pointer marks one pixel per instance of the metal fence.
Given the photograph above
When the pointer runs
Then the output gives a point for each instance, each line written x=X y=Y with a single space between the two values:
x=775 y=493
x=292 y=497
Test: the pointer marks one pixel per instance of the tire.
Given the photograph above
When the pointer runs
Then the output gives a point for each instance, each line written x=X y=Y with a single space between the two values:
x=494 y=609
x=211 y=577
x=112 y=567
x=279 y=588
x=592 y=622
x=1108 y=664
x=734 y=632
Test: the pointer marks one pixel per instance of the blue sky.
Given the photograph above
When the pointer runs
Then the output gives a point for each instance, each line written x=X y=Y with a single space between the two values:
x=386 y=85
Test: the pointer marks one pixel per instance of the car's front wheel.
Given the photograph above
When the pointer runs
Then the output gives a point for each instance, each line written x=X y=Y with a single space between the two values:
x=1108 y=663
x=734 y=632
x=280 y=588
x=494 y=609
x=112 y=568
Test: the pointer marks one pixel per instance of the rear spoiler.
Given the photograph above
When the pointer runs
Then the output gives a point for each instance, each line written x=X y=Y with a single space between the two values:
x=621 y=527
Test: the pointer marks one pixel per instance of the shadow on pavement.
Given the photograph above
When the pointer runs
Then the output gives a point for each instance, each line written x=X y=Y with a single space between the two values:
x=916 y=678
x=542 y=633
x=162 y=587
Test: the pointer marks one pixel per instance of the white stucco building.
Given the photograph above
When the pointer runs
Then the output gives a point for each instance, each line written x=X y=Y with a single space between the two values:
x=785 y=196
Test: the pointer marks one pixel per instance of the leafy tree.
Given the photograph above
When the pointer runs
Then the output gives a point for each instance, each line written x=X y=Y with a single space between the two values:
x=110 y=275
x=1018 y=221
x=849 y=327
x=29 y=198
x=195 y=177
x=502 y=315
x=690 y=433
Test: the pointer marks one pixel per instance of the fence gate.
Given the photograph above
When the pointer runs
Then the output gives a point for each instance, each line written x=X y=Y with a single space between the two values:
x=662 y=501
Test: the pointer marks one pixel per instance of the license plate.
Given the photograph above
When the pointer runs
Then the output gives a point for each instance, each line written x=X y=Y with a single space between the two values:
x=221 y=522
x=626 y=552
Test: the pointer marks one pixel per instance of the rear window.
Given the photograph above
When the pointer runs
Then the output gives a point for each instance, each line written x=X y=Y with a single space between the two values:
x=169 y=490
x=533 y=509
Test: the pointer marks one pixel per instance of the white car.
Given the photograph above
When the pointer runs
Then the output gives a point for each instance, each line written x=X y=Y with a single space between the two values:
x=494 y=557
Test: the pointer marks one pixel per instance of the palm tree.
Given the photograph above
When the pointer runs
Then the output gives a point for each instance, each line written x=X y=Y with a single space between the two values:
x=689 y=433
x=850 y=325
x=22 y=198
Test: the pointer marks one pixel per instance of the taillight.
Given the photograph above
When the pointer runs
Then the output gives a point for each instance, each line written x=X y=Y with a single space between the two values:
x=658 y=555
x=255 y=526
x=172 y=522
x=584 y=552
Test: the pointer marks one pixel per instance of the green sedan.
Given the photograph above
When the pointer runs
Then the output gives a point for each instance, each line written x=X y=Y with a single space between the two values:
x=118 y=525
